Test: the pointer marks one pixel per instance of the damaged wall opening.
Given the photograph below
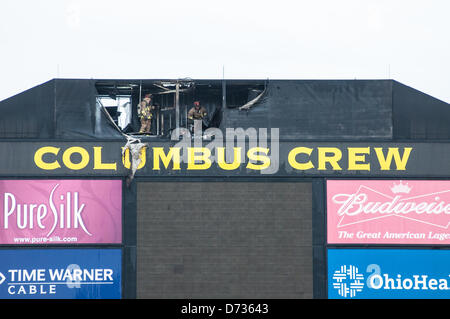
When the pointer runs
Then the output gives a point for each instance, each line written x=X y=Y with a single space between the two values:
x=120 y=109
x=172 y=103
x=224 y=240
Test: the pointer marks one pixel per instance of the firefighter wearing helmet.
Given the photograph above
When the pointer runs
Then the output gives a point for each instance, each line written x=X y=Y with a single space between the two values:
x=145 y=114
x=197 y=112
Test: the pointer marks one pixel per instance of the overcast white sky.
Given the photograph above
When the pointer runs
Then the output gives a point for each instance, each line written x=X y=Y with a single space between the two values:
x=405 y=40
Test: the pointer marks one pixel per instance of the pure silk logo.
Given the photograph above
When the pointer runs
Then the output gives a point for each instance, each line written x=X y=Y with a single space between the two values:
x=66 y=212
x=60 y=211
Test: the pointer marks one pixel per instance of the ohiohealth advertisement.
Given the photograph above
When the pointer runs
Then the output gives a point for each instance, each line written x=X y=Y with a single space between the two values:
x=60 y=212
x=388 y=212
x=388 y=274
x=60 y=274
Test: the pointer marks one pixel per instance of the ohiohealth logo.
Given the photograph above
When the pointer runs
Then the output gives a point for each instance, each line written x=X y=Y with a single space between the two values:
x=348 y=281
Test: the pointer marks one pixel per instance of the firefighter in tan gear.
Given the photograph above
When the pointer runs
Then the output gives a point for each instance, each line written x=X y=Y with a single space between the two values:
x=145 y=114
x=197 y=112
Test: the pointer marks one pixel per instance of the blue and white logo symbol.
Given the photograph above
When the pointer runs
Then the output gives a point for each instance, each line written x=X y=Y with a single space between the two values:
x=348 y=281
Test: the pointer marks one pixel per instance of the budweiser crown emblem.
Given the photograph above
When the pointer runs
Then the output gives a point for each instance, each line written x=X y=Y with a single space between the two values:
x=401 y=188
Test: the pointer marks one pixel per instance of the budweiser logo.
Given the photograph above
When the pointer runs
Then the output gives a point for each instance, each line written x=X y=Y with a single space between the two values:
x=368 y=204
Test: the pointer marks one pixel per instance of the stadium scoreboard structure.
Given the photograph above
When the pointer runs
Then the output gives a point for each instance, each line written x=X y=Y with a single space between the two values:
x=307 y=189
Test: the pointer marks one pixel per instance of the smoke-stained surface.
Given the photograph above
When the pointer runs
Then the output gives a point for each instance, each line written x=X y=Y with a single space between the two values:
x=29 y=114
x=350 y=110
x=77 y=114
x=321 y=110
x=418 y=116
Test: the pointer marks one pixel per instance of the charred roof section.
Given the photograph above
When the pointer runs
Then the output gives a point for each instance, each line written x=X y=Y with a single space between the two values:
x=69 y=109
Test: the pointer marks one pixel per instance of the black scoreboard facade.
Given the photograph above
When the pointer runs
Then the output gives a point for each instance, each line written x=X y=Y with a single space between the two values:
x=296 y=190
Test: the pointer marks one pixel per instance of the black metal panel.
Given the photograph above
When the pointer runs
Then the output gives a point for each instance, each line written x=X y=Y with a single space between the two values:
x=29 y=114
x=418 y=116
x=319 y=238
x=129 y=242
x=224 y=240
x=77 y=115
x=343 y=110
x=302 y=109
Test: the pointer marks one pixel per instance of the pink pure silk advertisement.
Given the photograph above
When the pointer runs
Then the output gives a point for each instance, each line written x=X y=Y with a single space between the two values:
x=60 y=212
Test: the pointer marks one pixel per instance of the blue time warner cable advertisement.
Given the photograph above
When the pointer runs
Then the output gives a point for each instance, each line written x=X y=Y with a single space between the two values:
x=60 y=274
x=388 y=274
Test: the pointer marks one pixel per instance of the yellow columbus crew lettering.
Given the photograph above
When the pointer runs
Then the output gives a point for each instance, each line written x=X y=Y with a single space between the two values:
x=330 y=157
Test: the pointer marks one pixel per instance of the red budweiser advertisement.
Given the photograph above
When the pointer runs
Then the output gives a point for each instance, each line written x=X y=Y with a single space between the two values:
x=388 y=212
